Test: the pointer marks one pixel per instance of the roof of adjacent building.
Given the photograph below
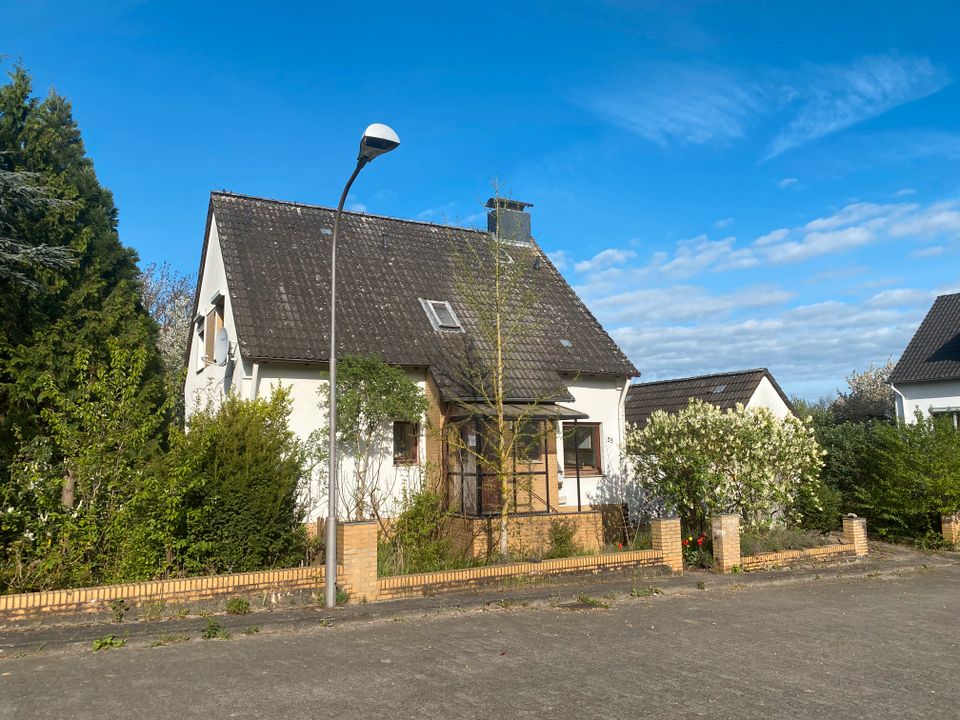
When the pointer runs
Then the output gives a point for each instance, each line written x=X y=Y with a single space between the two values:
x=277 y=262
x=934 y=351
x=724 y=390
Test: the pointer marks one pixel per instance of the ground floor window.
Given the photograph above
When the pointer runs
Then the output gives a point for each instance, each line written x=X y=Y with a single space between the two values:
x=581 y=444
x=529 y=441
x=405 y=442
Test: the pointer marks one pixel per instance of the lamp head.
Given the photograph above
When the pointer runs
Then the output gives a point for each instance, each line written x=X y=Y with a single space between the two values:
x=377 y=140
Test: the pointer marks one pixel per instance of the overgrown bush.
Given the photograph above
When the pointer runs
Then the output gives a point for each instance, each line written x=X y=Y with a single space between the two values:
x=417 y=539
x=702 y=461
x=562 y=539
x=777 y=539
x=235 y=499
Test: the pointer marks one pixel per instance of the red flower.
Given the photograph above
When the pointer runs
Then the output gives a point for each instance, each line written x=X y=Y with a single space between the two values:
x=700 y=541
x=620 y=546
x=684 y=543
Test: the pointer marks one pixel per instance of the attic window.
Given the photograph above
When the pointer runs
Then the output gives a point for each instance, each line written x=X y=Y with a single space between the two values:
x=719 y=388
x=565 y=342
x=504 y=257
x=441 y=315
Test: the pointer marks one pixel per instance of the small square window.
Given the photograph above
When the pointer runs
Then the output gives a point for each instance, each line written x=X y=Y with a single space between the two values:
x=406 y=436
x=581 y=446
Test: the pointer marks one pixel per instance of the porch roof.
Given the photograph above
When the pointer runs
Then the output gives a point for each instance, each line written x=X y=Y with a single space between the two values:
x=541 y=411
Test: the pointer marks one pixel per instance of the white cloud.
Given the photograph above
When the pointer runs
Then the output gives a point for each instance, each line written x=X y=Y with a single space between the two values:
x=560 y=259
x=725 y=222
x=833 y=98
x=357 y=207
x=441 y=212
x=819 y=243
x=932 y=251
x=680 y=103
x=941 y=219
x=605 y=259
x=772 y=237
x=679 y=303
x=905 y=192
x=787 y=182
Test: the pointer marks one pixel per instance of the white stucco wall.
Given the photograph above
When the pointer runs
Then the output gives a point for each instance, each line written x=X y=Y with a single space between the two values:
x=307 y=416
x=210 y=382
x=603 y=400
x=766 y=396
x=926 y=396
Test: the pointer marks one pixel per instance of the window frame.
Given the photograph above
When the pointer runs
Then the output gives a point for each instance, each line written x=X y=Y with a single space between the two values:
x=585 y=470
x=434 y=317
x=414 y=457
x=539 y=435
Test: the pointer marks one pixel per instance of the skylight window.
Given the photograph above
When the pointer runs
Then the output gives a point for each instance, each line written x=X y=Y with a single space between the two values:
x=441 y=315
x=719 y=388
x=565 y=342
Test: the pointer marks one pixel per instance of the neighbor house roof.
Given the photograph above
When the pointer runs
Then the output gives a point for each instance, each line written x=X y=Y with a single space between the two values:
x=277 y=261
x=934 y=351
x=724 y=390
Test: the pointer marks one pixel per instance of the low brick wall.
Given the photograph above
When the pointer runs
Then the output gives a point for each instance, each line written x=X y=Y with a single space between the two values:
x=528 y=534
x=950 y=527
x=98 y=599
x=427 y=583
x=776 y=559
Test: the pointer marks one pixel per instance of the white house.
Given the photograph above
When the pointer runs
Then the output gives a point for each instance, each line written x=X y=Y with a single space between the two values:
x=927 y=376
x=750 y=388
x=262 y=318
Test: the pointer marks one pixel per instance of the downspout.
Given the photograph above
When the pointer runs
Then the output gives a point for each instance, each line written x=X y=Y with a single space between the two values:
x=903 y=404
x=255 y=381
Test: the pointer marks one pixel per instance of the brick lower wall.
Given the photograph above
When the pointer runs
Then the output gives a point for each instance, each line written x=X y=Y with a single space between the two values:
x=528 y=534
x=776 y=559
x=98 y=599
x=425 y=583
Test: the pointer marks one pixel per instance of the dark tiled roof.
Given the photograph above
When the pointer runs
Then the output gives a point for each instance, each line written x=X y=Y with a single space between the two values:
x=724 y=390
x=934 y=351
x=277 y=260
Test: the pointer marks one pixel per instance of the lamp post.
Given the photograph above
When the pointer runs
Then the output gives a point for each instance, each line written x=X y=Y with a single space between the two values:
x=377 y=140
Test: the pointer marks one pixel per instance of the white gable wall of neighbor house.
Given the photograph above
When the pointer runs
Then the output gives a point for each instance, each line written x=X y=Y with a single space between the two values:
x=934 y=395
x=206 y=382
x=307 y=416
x=766 y=396
x=602 y=399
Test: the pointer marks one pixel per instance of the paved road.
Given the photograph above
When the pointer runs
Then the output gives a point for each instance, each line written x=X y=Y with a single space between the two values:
x=850 y=648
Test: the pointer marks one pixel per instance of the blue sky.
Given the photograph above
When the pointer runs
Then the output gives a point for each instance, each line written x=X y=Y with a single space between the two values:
x=726 y=184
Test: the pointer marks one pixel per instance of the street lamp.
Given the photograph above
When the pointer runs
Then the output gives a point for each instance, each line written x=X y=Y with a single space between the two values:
x=377 y=140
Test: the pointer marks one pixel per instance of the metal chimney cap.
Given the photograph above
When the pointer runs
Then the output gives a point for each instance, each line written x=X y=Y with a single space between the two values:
x=508 y=204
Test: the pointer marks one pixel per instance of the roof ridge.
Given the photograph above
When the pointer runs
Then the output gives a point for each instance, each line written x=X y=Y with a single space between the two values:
x=700 y=377
x=294 y=203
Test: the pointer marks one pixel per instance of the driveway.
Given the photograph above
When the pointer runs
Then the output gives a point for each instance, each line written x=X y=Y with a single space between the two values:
x=851 y=648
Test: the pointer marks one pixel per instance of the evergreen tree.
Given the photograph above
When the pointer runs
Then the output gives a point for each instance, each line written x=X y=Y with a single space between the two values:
x=73 y=308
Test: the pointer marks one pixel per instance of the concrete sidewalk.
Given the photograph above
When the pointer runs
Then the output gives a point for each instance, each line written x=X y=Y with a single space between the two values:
x=54 y=637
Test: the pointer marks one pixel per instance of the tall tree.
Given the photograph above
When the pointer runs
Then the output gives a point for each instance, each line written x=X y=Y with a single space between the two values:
x=79 y=307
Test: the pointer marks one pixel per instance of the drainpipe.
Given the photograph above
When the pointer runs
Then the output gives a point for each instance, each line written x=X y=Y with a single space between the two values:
x=903 y=403
x=255 y=381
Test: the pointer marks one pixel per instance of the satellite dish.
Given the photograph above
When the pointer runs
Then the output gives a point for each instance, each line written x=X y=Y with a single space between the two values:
x=221 y=347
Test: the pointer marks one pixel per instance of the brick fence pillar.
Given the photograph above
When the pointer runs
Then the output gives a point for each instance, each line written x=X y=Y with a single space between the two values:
x=726 y=542
x=950 y=526
x=357 y=554
x=666 y=541
x=855 y=533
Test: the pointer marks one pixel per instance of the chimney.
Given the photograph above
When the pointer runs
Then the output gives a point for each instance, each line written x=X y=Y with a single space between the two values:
x=509 y=220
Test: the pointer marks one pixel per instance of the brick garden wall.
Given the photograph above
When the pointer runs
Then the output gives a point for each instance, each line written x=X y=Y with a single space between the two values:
x=528 y=534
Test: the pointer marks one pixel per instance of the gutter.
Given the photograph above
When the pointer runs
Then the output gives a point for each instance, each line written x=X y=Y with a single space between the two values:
x=255 y=381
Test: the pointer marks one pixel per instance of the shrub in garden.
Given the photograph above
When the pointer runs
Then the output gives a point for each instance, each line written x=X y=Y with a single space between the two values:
x=236 y=498
x=701 y=461
x=561 y=536
x=417 y=540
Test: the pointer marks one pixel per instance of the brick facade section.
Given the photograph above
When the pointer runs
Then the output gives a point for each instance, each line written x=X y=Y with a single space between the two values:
x=855 y=533
x=950 y=526
x=726 y=542
x=666 y=541
x=529 y=534
x=357 y=554
x=776 y=559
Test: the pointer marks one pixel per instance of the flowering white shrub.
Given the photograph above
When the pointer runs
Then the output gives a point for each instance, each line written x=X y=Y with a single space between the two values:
x=702 y=461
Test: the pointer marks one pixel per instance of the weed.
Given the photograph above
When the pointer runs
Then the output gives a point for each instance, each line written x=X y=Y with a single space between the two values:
x=343 y=597
x=561 y=537
x=238 y=606
x=777 y=539
x=119 y=608
x=169 y=640
x=584 y=600
x=251 y=630
x=874 y=574
x=326 y=622
x=643 y=592
x=182 y=611
x=701 y=585
x=108 y=642
x=215 y=631
x=507 y=603
x=153 y=610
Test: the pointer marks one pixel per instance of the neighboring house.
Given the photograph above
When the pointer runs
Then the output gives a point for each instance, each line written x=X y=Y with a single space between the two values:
x=927 y=377
x=750 y=388
x=262 y=310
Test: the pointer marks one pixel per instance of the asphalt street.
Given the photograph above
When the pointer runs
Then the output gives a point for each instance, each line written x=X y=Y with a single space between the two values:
x=847 y=648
